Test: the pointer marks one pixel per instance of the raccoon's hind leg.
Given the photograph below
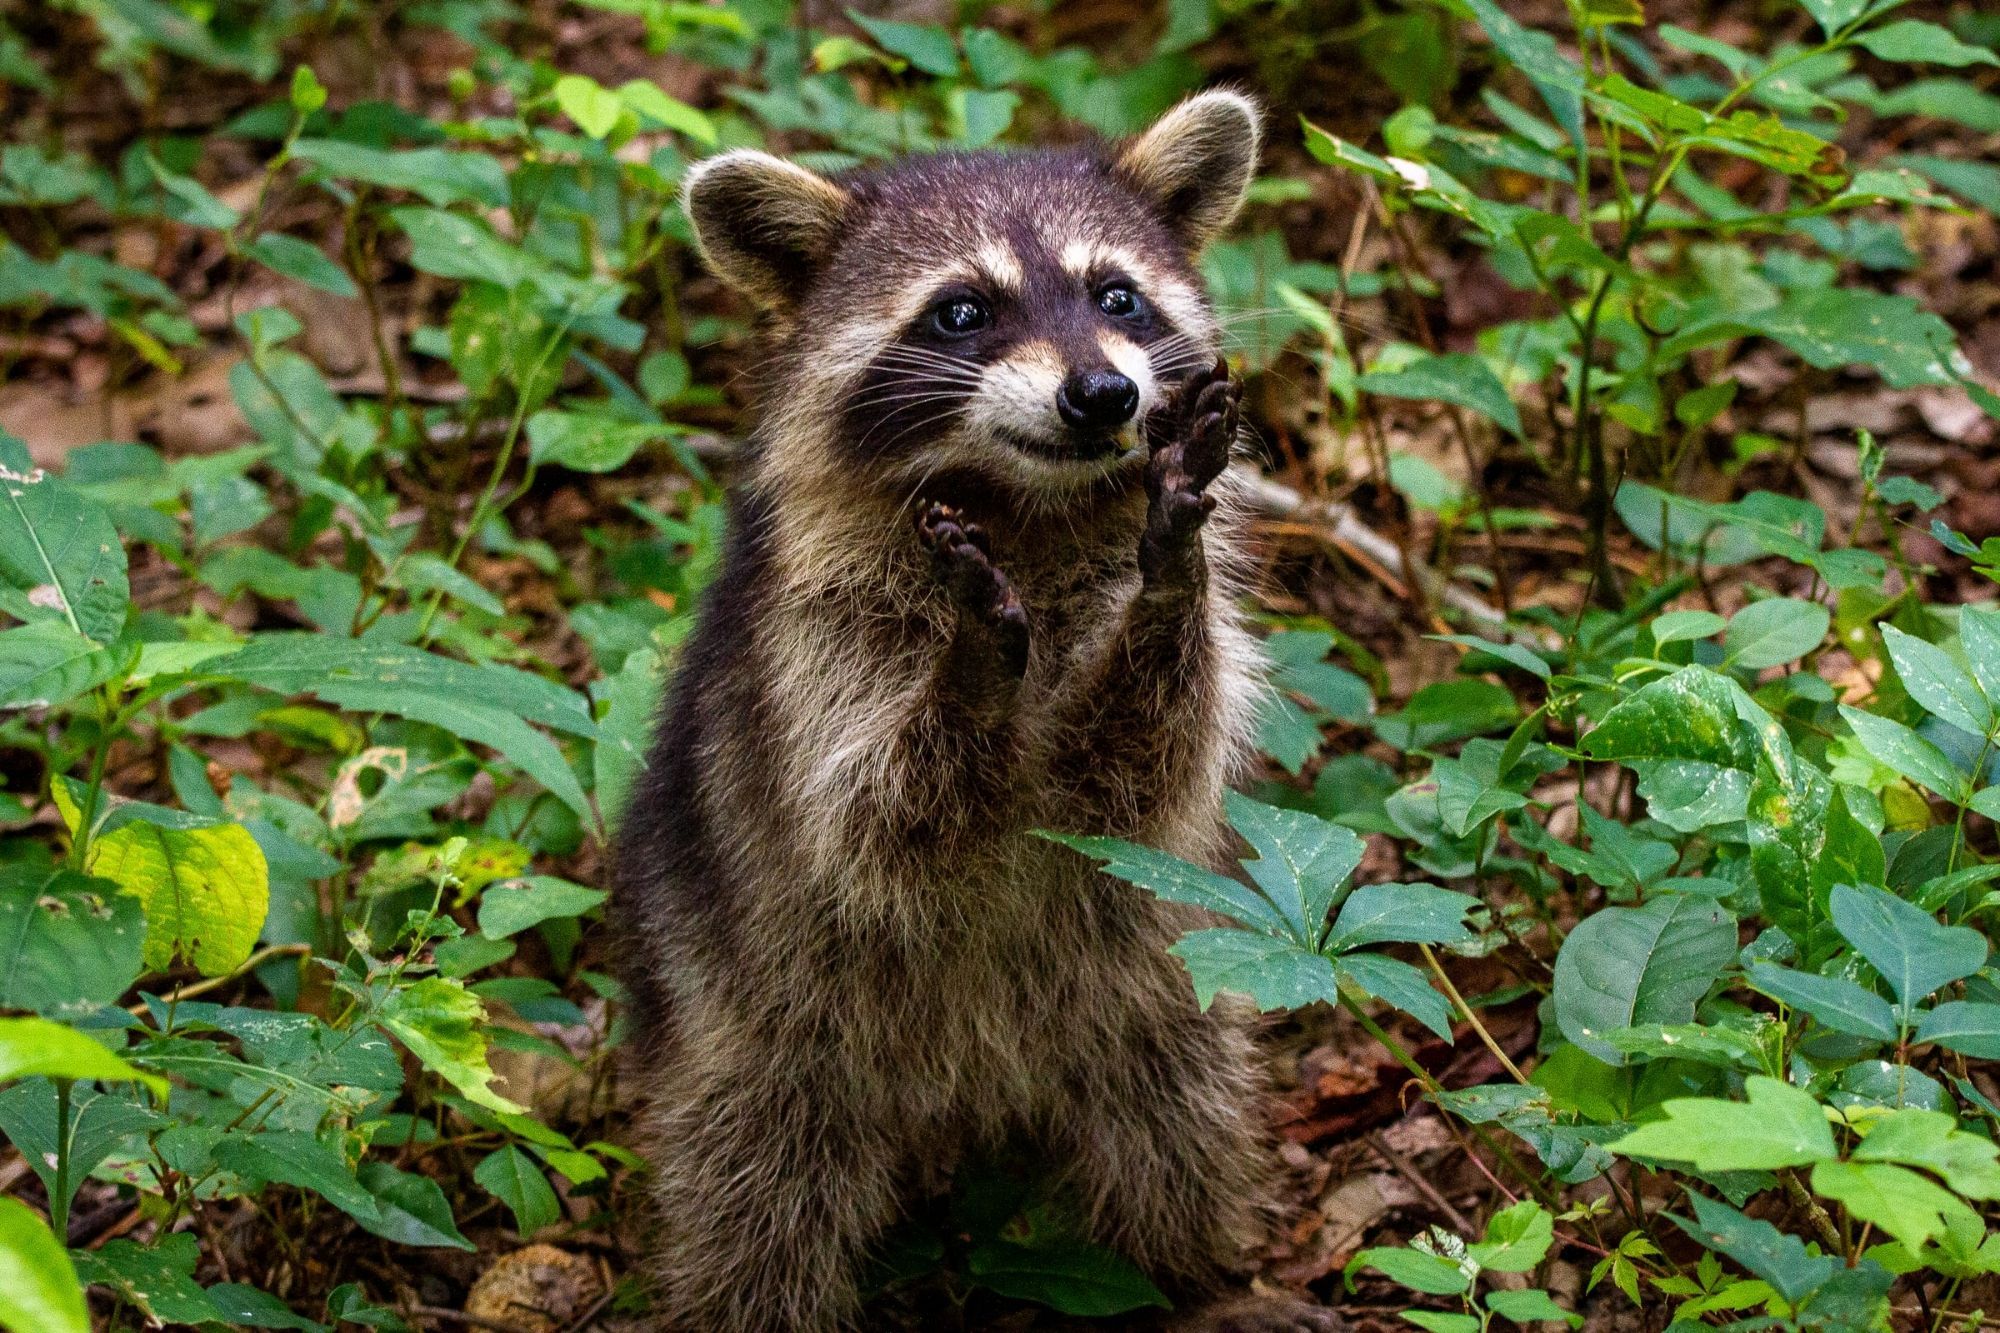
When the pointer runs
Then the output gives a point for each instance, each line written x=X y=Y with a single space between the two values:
x=768 y=1194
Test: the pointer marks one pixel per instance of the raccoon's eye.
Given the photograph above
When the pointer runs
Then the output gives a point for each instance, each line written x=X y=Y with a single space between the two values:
x=1118 y=301
x=961 y=315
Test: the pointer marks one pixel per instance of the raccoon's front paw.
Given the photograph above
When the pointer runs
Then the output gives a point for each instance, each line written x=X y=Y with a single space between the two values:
x=1189 y=439
x=984 y=594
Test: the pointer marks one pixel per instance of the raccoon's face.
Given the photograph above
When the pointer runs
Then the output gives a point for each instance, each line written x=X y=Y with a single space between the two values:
x=1009 y=314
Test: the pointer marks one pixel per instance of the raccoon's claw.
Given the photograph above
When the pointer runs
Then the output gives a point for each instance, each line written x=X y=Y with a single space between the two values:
x=964 y=559
x=1189 y=438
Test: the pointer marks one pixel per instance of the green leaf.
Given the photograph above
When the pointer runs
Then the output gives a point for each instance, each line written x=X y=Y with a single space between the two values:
x=1517 y=1238
x=1941 y=685
x=1914 y=41
x=1273 y=973
x=239 y=1303
x=1401 y=913
x=1768 y=1253
x=1909 y=754
x=1902 y=1203
x=929 y=49
x=1458 y=378
x=206 y=890
x=46 y=663
x=1779 y=1126
x=1834 y=15
x=65 y=939
x=1429 y=1273
x=1773 y=632
x=509 y=908
x=1177 y=881
x=650 y=102
x=1970 y=1027
x=586 y=442
x=1397 y=983
x=157 y=1278
x=1676 y=626
x=437 y=175
x=1439 y=1321
x=411 y=1209
x=1979 y=635
x=302 y=261
x=60 y=554
x=1969 y=1163
x=441 y=1023
x=511 y=1176
x=1835 y=327
x=593 y=107
x=291 y=1157
x=1302 y=860
x=1512 y=653
x=36 y=1046
x=39 y=1292
x=1626 y=966
x=630 y=699
x=1834 y=1001
x=1530 y=1306
x=1911 y=950
x=979 y=118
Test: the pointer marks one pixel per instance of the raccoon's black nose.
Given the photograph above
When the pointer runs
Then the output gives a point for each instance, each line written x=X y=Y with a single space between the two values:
x=1097 y=400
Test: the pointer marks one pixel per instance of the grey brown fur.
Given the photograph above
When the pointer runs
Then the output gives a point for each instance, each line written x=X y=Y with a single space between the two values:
x=936 y=629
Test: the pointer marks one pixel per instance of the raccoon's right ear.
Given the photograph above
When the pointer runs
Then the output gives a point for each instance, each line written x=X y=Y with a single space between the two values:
x=763 y=224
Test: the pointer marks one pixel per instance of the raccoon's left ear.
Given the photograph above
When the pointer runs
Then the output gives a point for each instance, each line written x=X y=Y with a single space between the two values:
x=763 y=224
x=1196 y=162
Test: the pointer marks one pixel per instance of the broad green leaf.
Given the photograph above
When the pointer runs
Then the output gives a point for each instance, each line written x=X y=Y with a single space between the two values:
x=1836 y=327
x=1556 y=77
x=1942 y=686
x=1396 y=983
x=1908 y=753
x=1911 y=950
x=1768 y=1253
x=1179 y=881
x=157 y=1278
x=1529 y=1306
x=39 y=1292
x=1439 y=1321
x=929 y=49
x=1401 y=913
x=511 y=1176
x=1970 y=1027
x=1073 y=1277
x=1627 y=966
x=1513 y=653
x=102 y=1122
x=593 y=107
x=59 y=553
x=65 y=939
x=1902 y=1203
x=240 y=1303
x=1773 y=632
x=1517 y=1237
x=437 y=175
x=1302 y=860
x=1676 y=626
x=1969 y=1163
x=511 y=907
x=291 y=1157
x=1778 y=1126
x=1914 y=41
x=1274 y=973
x=979 y=118
x=1458 y=378
x=206 y=890
x=440 y=1021
x=1977 y=183
x=301 y=260
x=1834 y=15
x=46 y=663
x=652 y=103
x=36 y=1046
x=1836 y=1002
x=586 y=442
x=1979 y=634
x=1414 y=1269
x=410 y=1209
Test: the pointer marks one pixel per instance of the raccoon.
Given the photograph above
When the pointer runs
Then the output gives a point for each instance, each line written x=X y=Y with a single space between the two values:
x=980 y=581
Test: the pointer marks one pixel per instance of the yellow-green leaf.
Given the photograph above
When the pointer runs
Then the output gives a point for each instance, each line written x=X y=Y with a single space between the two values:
x=31 y=1047
x=39 y=1292
x=439 y=1020
x=206 y=890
